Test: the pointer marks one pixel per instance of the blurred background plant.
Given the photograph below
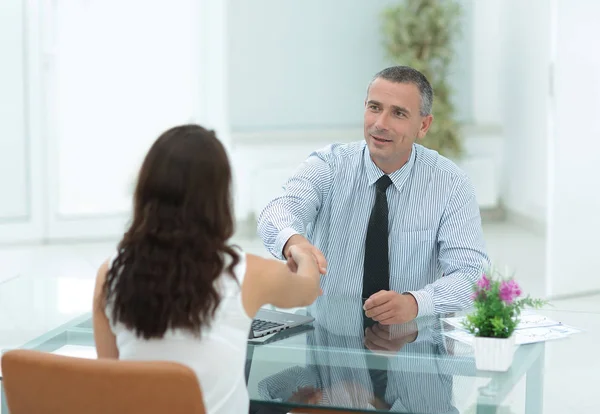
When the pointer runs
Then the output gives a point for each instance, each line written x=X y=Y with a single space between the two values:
x=422 y=34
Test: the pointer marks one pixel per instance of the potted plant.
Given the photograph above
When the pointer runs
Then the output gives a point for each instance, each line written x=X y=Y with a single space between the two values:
x=497 y=307
x=422 y=34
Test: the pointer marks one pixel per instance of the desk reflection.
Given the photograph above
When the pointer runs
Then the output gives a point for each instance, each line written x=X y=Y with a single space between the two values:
x=377 y=372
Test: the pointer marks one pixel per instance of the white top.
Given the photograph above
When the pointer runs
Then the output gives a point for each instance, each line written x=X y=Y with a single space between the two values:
x=217 y=357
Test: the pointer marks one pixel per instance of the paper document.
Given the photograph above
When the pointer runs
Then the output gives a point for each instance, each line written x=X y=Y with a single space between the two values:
x=526 y=321
x=531 y=328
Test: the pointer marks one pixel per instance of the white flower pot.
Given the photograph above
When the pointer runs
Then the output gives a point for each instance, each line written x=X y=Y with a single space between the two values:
x=494 y=354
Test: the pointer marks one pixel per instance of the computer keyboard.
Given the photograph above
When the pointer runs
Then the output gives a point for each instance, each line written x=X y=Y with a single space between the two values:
x=262 y=325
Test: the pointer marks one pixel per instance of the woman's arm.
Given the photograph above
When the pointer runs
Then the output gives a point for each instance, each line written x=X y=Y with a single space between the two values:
x=269 y=281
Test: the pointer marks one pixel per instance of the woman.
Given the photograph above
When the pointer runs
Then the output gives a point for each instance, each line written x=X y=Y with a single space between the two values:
x=175 y=289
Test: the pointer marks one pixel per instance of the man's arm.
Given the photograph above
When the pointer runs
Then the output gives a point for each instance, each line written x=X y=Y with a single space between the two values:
x=462 y=255
x=297 y=207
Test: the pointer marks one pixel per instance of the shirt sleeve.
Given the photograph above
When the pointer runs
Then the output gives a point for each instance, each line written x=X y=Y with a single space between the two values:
x=282 y=386
x=462 y=255
x=298 y=206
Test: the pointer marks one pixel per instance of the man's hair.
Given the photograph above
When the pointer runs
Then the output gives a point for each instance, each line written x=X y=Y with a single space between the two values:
x=406 y=74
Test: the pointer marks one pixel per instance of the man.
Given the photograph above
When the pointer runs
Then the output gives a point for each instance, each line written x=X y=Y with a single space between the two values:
x=386 y=218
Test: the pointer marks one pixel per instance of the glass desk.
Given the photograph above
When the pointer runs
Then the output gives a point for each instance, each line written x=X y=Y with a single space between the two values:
x=411 y=368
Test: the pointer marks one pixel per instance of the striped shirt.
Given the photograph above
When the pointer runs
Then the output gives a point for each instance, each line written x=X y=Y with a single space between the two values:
x=436 y=245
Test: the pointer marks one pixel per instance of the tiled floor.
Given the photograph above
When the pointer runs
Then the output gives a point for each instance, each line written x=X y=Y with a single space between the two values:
x=508 y=245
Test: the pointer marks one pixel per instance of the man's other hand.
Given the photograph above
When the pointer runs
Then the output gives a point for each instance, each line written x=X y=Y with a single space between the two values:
x=389 y=307
x=390 y=338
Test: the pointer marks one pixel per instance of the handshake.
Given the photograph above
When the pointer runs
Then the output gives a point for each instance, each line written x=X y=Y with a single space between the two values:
x=298 y=249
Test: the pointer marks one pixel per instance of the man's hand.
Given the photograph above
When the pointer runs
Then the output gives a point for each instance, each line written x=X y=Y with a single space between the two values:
x=306 y=395
x=389 y=307
x=301 y=243
x=388 y=339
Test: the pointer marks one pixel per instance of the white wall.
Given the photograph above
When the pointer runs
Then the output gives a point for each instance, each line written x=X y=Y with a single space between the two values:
x=84 y=96
x=486 y=61
x=574 y=199
x=298 y=74
x=113 y=91
x=110 y=92
x=305 y=65
x=524 y=85
x=20 y=145
x=14 y=191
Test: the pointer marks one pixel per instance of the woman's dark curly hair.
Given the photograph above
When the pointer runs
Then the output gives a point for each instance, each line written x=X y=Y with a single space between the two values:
x=164 y=275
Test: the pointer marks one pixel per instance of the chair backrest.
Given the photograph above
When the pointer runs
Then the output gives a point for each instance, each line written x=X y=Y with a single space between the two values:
x=44 y=383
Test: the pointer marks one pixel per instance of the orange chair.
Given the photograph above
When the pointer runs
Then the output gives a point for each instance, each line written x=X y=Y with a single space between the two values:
x=44 y=383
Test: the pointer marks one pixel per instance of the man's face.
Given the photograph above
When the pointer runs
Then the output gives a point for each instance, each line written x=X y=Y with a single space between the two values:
x=393 y=122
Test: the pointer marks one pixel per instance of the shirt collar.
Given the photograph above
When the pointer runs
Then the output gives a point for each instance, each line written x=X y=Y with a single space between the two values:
x=398 y=177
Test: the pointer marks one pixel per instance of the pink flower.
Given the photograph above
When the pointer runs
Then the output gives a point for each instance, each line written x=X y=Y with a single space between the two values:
x=509 y=291
x=484 y=283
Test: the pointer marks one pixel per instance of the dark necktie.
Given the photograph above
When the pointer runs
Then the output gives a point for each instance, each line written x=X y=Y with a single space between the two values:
x=376 y=275
x=379 y=377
